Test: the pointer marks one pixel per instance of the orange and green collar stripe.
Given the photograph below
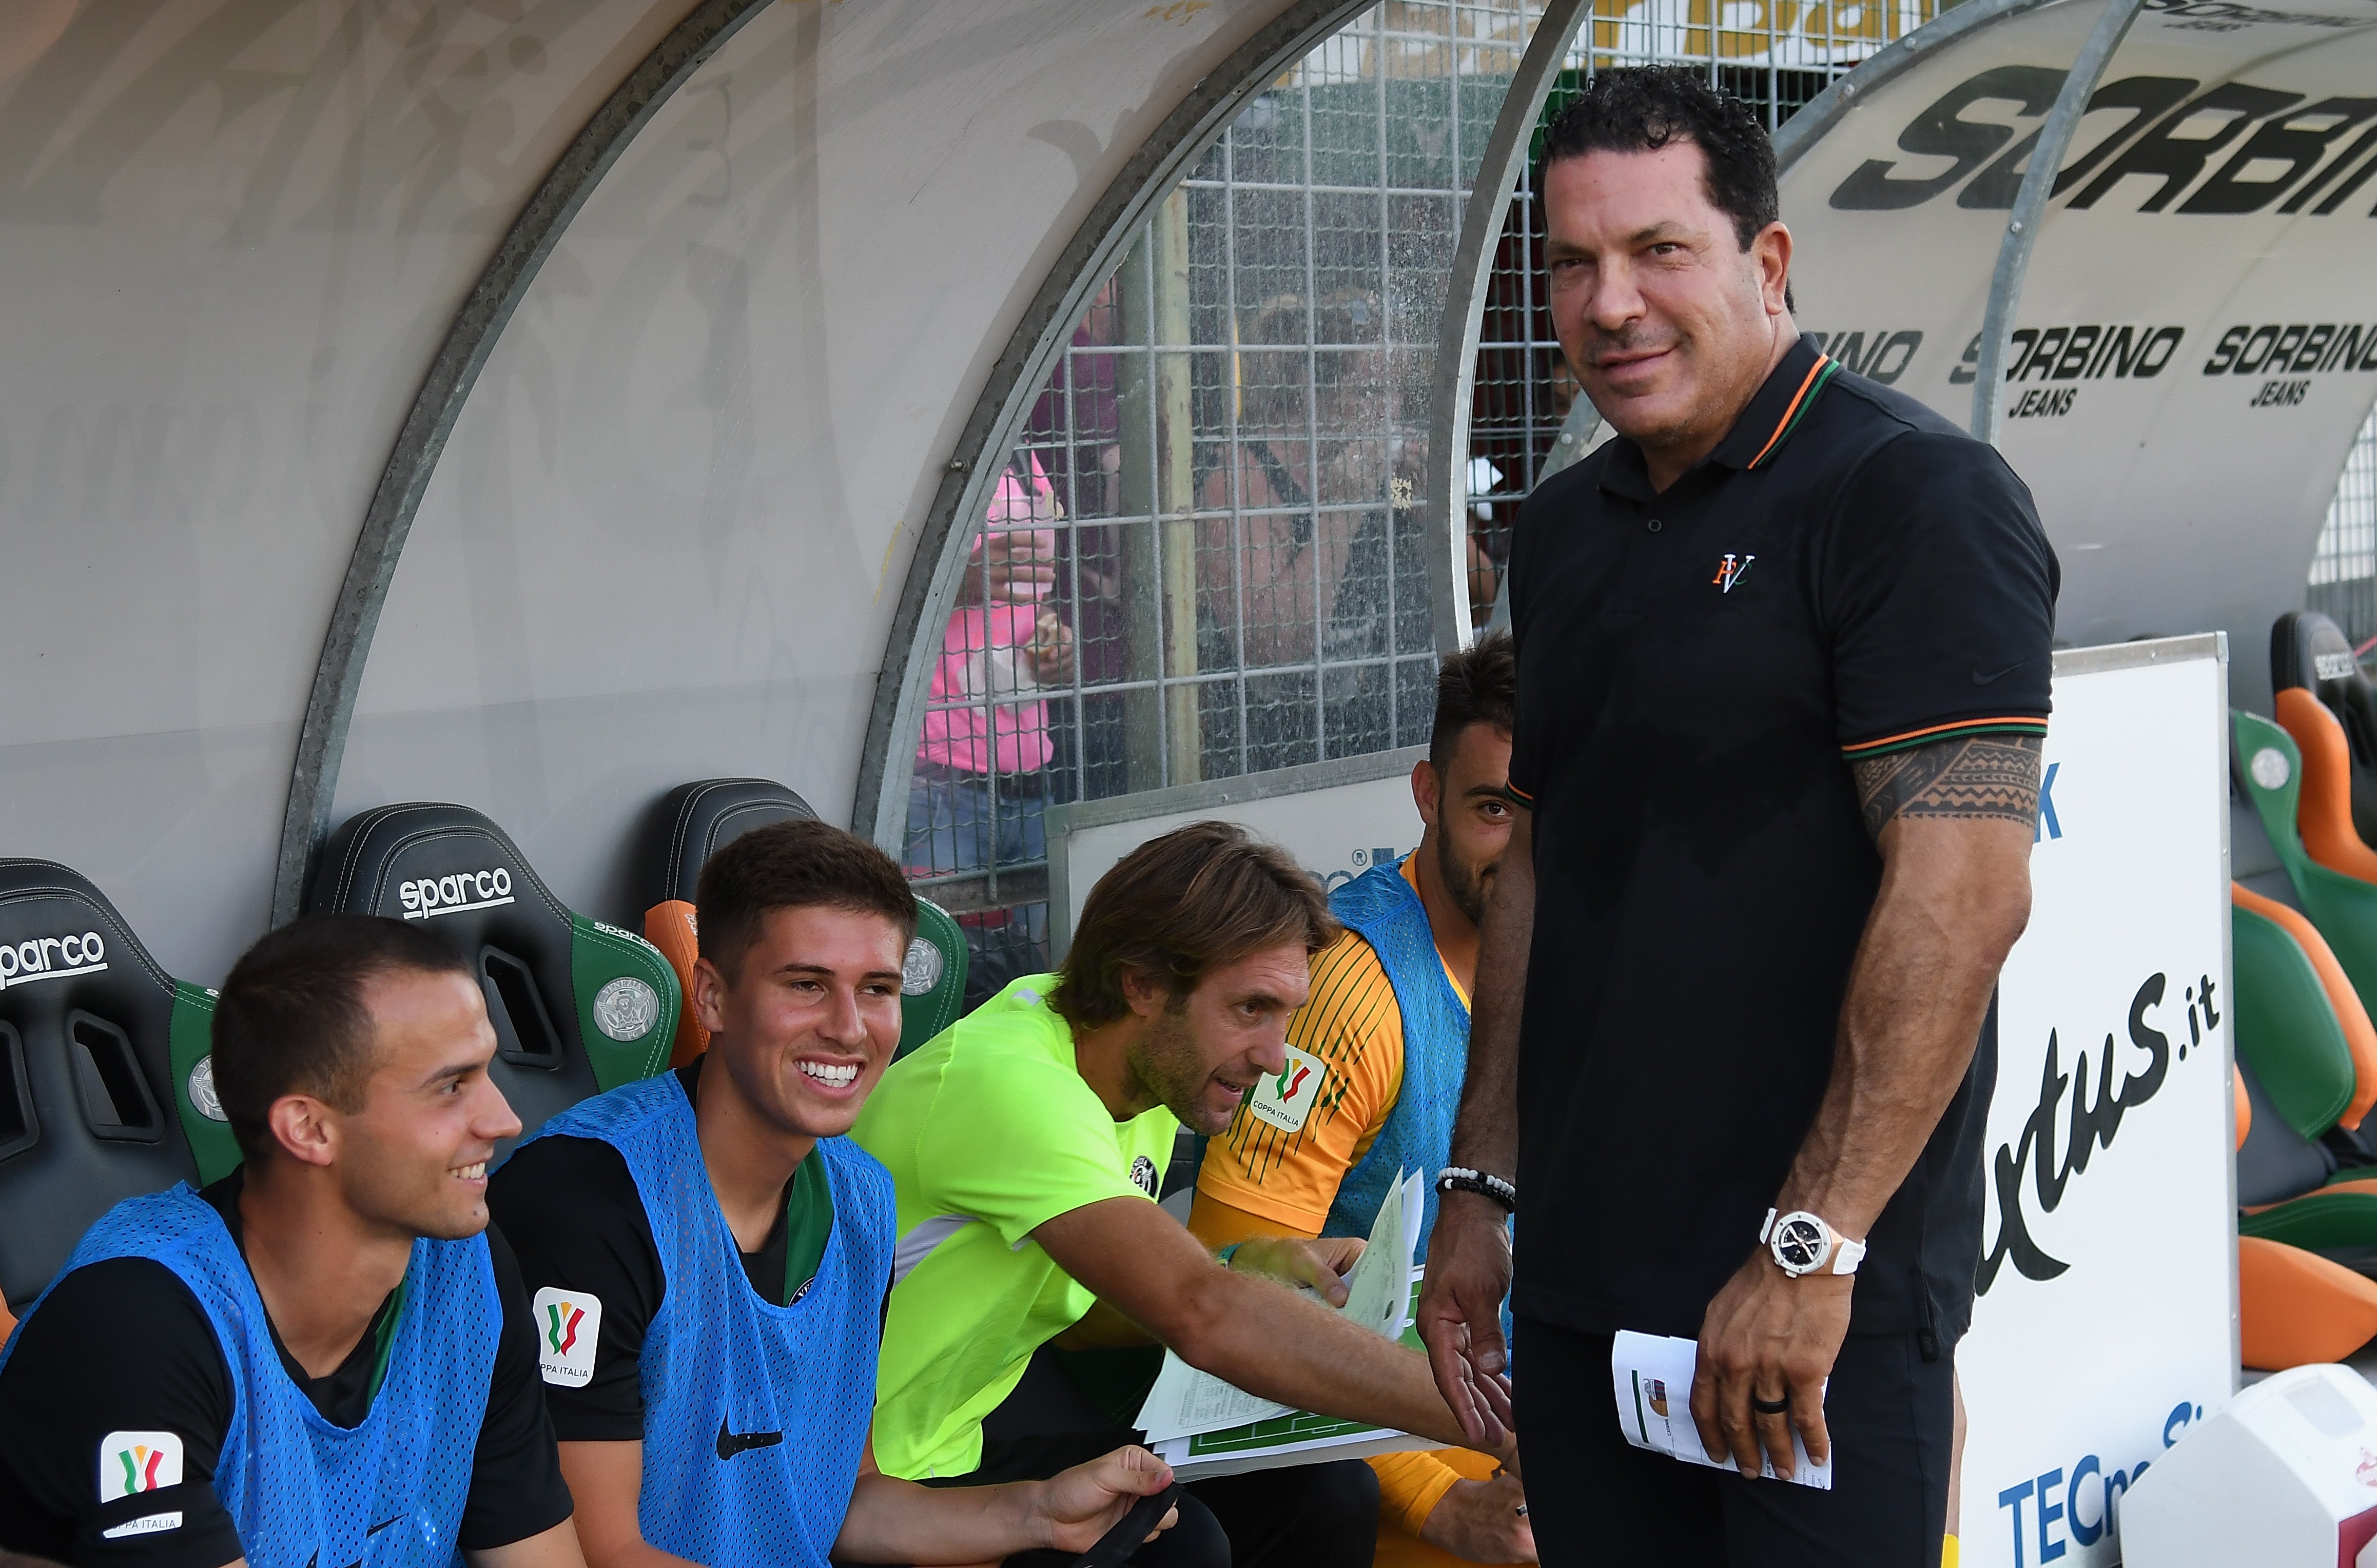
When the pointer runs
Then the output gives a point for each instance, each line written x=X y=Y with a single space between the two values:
x=1820 y=375
x=1934 y=733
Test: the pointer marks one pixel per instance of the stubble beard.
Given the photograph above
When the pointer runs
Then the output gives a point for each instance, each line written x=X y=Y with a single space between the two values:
x=1467 y=892
x=1171 y=1069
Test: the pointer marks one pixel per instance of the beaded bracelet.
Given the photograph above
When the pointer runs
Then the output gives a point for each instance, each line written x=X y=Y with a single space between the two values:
x=1460 y=1178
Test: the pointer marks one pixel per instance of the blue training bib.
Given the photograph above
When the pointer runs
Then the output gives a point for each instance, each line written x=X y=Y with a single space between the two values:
x=755 y=1415
x=302 y=1492
x=1385 y=911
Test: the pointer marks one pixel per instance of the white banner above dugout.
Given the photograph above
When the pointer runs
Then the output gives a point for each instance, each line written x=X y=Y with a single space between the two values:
x=2194 y=343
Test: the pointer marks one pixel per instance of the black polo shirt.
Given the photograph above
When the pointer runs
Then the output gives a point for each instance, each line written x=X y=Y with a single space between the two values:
x=1847 y=574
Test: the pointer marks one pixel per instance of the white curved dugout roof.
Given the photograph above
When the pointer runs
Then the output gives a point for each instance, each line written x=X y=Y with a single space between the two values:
x=2211 y=204
x=235 y=233
x=674 y=529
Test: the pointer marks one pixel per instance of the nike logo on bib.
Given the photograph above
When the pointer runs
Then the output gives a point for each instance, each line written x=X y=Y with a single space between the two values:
x=730 y=1443
x=381 y=1525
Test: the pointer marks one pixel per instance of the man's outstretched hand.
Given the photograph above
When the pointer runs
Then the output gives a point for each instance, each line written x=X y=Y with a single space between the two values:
x=1460 y=1315
x=1766 y=1334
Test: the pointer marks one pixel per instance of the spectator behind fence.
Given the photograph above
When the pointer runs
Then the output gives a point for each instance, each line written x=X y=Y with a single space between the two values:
x=716 y=1255
x=1312 y=548
x=1028 y=1144
x=326 y=1356
x=982 y=777
x=1374 y=1074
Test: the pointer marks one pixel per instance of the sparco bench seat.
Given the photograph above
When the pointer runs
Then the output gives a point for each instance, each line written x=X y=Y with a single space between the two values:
x=579 y=1006
x=106 y=1088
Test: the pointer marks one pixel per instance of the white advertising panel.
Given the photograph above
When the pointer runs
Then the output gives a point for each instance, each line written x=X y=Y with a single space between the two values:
x=1337 y=819
x=2106 y=1325
x=2195 y=339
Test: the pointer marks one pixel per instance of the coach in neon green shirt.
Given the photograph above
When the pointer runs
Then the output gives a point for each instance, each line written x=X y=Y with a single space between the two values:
x=994 y=1133
x=1027 y=1144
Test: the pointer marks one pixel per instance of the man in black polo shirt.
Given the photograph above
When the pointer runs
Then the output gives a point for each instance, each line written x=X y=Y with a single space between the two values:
x=1783 y=683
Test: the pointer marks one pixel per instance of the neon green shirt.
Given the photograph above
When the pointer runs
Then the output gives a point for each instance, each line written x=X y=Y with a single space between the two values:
x=988 y=1131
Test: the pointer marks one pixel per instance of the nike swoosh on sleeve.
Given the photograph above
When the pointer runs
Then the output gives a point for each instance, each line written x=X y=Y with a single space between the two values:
x=1981 y=680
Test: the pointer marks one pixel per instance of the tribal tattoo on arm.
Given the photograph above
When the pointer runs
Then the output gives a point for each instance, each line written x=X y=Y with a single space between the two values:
x=1980 y=776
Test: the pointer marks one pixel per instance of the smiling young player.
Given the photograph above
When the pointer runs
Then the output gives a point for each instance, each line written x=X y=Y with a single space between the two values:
x=326 y=1357
x=711 y=1257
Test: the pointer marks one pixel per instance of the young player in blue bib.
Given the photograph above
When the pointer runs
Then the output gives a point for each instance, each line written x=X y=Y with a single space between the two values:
x=711 y=1257
x=326 y=1358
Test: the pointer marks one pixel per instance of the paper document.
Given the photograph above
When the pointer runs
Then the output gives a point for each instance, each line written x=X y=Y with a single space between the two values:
x=1653 y=1378
x=1299 y=1437
x=1185 y=1402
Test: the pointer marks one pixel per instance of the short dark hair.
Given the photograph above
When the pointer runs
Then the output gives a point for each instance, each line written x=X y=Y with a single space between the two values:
x=1477 y=686
x=794 y=865
x=1645 y=108
x=1196 y=898
x=291 y=1019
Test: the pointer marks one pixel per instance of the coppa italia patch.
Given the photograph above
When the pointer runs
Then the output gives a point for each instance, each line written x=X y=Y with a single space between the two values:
x=567 y=1323
x=132 y=1462
x=1284 y=1099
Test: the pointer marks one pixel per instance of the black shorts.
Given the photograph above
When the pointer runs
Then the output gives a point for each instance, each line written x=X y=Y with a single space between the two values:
x=1594 y=1498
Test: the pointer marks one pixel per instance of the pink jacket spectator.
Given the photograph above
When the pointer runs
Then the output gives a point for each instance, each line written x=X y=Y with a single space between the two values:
x=982 y=658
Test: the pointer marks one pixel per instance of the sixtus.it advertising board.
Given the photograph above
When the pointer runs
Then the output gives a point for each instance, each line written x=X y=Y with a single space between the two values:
x=2105 y=1327
x=2195 y=339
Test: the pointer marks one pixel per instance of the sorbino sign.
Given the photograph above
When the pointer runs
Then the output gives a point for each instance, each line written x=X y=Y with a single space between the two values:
x=2195 y=342
x=2104 y=1325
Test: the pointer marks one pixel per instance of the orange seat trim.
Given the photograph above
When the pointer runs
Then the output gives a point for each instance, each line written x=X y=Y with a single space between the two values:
x=2323 y=813
x=2297 y=1309
x=2360 y=1035
x=671 y=927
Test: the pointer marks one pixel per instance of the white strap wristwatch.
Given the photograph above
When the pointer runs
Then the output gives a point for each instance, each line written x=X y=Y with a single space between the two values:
x=1802 y=1244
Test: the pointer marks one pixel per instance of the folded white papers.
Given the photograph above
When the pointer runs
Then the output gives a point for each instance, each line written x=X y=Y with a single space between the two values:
x=1654 y=1378
x=1185 y=1402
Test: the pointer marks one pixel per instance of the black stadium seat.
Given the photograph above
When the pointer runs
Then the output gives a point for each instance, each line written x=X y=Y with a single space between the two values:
x=105 y=1087
x=579 y=1006
x=691 y=821
x=2307 y=650
x=687 y=826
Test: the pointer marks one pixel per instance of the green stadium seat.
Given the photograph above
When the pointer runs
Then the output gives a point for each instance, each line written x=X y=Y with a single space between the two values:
x=2268 y=767
x=2306 y=1058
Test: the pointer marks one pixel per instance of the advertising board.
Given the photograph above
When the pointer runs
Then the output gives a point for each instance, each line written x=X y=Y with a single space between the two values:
x=1337 y=818
x=2106 y=1324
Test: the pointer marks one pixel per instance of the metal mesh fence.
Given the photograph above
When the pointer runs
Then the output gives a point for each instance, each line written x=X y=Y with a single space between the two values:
x=1204 y=557
x=2343 y=567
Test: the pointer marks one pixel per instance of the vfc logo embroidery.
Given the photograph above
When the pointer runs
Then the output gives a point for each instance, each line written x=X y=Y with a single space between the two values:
x=1731 y=570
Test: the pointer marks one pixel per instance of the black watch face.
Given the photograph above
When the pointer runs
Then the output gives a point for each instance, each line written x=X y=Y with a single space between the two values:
x=1799 y=1242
